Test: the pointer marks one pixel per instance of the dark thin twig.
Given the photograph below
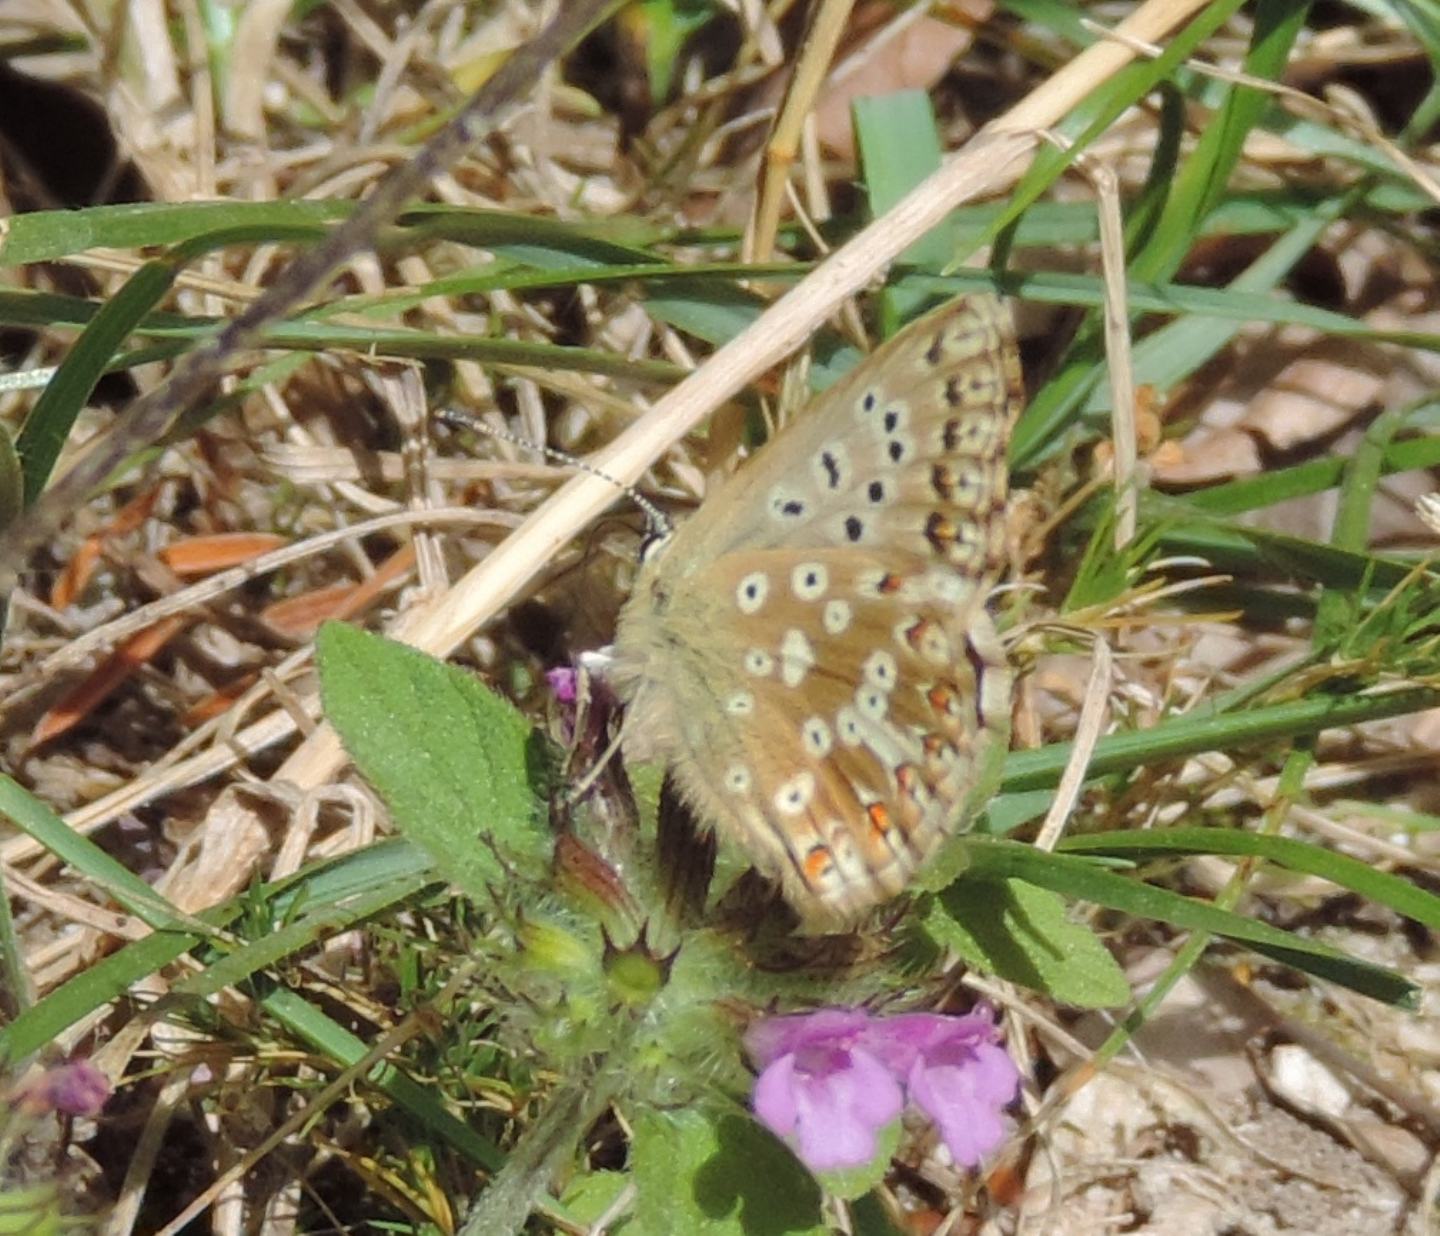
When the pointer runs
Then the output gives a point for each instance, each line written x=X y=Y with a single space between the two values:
x=198 y=370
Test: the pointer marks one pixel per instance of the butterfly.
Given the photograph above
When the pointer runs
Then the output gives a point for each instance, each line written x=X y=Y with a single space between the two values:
x=810 y=653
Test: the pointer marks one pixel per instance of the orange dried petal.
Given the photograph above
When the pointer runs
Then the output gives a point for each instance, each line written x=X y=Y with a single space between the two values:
x=83 y=699
x=200 y=555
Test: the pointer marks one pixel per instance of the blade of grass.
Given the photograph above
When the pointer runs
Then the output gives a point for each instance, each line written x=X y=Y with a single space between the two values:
x=1377 y=886
x=424 y=1103
x=1204 y=176
x=1237 y=549
x=37 y=821
x=1351 y=531
x=1104 y=106
x=101 y=983
x=899 y=146
x=1204 y=730
x=1083 y=880
x=1314 y=476
x=16 y=991
x=371 y=880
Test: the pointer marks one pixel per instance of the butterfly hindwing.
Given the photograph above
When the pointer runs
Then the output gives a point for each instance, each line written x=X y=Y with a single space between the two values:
x=844 y=719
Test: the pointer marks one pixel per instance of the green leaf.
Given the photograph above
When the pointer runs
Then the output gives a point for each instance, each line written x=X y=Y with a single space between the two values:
x=668 y=24
x=868 y=1217
x=708 y=1173
x=1023 y=933
x=456 y=764
x=899 y=145
x=592 y=1194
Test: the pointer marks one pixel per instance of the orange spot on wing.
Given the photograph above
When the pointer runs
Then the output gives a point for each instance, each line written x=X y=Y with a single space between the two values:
x=879 y=817
x=939 y=531
x=817 y=863
x=905 y=778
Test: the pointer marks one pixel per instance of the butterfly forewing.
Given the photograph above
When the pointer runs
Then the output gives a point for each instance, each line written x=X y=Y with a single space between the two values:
x=917 y=430
x=811 y=653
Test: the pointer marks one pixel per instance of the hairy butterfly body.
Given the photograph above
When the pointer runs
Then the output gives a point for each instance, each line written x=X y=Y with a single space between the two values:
x=811 y=652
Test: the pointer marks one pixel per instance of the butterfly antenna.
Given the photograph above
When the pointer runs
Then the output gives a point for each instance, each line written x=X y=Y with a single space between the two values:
x=658 y=525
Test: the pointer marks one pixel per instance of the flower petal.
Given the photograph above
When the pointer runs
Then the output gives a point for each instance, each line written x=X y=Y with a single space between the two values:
x=841 y=1111
x=772 y=1037
x=964 y=1099
x=773 y=1099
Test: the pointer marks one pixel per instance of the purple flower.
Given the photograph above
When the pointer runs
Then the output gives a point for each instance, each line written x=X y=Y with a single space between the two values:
x=831 y=1080
x=564 y=683
x=955 y=1072
x=819 y=1091
x=74 y=1089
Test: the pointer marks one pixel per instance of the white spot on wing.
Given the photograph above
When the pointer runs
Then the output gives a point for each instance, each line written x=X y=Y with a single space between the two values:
x=741 y=704
x=759 y=663
x=750 y=593
x=836 y=617
x=872 y=703
x=818 y=739
x=795 y=795
x=809 y=581
x=796 y=657
x=880 y=670
x=935 y=646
